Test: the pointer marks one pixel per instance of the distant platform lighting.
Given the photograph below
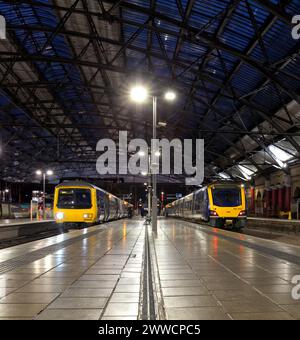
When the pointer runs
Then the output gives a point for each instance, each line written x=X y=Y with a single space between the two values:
x=49 y=172
x=157 y=154
x=38 y=172
x=139 y=94
x=141 y=153
x=170 y=95
x=144 y=173
x=162 y=124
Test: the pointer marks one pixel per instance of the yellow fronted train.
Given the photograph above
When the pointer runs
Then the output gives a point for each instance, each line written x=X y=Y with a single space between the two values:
x=82 y=204
x=219 y=204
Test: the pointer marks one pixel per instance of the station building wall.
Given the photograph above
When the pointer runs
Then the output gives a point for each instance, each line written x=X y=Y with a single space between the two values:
x=276 y=195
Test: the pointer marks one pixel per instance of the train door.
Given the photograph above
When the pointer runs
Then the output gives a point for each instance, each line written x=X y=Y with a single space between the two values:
x=113 y=209
x=117 y=208
x=101 y=206
x=196 y=205
x=205 y=208
x=106 y=207
x=120 y=209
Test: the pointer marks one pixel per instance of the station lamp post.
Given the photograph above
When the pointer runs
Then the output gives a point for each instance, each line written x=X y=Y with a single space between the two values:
x=43 y=173
x=162 y=197
x=139 y=94
x=6 y=191
x=148 y=184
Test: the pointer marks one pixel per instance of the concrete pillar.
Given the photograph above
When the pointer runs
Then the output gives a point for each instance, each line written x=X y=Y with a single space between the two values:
x=288 y=193
x=274 y=199
x=280 y=198
x=252 y=200
x=268 y=197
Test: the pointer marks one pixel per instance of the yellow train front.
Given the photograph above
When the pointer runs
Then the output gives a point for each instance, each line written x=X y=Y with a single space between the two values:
x=227 y=205
x=81 y=204
x=218 y=204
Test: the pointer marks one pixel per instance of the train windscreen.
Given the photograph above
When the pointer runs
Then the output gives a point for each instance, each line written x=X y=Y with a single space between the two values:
x=227 y=197
x=74 y=199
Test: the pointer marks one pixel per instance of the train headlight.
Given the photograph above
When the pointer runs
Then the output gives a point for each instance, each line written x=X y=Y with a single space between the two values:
x=213 y=213
x=87 y=216
x=59 y=215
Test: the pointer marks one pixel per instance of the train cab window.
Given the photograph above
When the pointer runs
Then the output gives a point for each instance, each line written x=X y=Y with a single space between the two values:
x=74 y=199
x=227 y=197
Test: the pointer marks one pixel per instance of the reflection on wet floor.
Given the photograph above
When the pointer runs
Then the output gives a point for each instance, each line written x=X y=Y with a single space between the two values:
x=208 y=277
x=89 y=279
x=204 y=273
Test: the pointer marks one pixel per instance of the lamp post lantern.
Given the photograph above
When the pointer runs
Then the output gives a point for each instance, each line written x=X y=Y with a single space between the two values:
x=153 y=168
x=139 y=94
x=43 y=173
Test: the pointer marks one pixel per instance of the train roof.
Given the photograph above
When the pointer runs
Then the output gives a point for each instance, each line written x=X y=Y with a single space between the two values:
x=224 y=183
x=77 y=184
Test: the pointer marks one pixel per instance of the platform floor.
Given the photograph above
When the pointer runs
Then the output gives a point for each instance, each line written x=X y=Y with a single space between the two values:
x=20 y=221
x=95 y=273
x=208 y=273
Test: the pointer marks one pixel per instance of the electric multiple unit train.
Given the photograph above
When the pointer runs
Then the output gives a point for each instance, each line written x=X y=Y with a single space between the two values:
x=80 y=204
x=218 y=204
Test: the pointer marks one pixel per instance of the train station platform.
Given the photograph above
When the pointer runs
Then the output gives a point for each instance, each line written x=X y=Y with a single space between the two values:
x=17 y=221
x=15 y=228
x=275 y=224
x=197 y=272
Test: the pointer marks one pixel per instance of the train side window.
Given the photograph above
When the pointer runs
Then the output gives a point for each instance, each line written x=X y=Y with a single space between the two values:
x=205 y=201
x=201 y=198
x=198 y=200
x=100 y=201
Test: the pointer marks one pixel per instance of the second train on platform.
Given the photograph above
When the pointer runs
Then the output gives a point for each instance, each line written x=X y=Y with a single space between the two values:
x=218 y=204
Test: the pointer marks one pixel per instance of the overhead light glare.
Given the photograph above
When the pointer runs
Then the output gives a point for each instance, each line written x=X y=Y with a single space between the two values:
x=170 y=96
x=139 y=94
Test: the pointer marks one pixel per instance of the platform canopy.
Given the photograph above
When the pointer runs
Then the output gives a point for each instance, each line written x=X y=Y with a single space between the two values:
x=66 y=68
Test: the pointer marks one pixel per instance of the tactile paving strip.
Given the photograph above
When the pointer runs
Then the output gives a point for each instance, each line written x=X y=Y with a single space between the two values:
x=19 y=261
